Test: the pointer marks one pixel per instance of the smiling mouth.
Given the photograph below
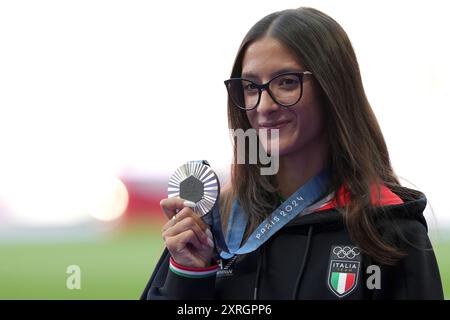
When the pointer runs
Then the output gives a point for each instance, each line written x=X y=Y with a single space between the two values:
x=273 y=125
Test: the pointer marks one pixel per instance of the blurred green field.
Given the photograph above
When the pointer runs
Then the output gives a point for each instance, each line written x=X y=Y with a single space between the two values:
x=113 y=267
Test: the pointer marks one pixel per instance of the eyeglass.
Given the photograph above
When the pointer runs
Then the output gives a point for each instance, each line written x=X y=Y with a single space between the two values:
x=285 y=89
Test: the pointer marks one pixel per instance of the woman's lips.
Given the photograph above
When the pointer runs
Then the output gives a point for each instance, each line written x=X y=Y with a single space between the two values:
x=273 y=125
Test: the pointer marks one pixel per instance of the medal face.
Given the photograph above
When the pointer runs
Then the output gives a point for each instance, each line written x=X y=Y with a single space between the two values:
x=195 y=181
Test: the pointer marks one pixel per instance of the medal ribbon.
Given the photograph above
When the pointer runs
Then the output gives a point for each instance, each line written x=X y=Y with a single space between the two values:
x=297 y=204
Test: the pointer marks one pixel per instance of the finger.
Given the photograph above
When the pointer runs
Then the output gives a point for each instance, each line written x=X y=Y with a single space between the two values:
x=188 y=223
x=189 y=213
x=178 y=243
x=177 y=218
x=184 y=213
x=168 y=224
x=172 y=205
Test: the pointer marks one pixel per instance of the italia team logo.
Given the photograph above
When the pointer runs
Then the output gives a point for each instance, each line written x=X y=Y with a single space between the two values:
x=343 y=269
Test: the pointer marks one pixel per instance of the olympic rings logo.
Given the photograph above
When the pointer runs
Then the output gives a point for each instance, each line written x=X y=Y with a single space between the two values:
x=346 y=252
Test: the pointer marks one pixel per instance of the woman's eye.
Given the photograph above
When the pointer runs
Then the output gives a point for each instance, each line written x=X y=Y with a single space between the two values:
x=249 y=87
x=287 y=82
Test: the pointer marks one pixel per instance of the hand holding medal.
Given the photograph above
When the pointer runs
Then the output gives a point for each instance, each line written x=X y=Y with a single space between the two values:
x=187 y=237
x=197 y=183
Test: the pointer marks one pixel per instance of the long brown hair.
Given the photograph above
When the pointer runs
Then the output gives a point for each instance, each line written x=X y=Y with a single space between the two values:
x=358 y=153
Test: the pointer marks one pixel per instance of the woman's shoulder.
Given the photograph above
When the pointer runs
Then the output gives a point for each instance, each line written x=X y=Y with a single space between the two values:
x=404 y=224
x=409 y=206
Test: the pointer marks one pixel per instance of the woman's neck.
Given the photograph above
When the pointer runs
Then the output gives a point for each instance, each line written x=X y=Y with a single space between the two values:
x=297 y=168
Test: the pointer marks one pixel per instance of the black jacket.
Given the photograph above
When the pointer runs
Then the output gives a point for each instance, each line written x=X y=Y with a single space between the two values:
x=312 y=257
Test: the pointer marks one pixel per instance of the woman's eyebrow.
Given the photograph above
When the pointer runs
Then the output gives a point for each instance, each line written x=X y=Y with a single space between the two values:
x=280 y=71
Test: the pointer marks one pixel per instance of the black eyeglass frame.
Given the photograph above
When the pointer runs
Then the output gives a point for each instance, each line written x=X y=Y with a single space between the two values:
x=265 y=86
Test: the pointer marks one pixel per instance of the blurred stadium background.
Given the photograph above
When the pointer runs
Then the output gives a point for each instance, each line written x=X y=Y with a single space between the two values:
x=116 y=258
x=94 y=119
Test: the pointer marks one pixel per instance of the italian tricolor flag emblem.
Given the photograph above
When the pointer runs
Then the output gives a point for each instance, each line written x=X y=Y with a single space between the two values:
x=343 y=269
x=342 y=282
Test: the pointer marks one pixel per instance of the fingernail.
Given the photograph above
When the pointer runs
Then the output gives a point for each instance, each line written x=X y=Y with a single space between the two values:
x=160 y=203
x=189 y=204
x=209 y=234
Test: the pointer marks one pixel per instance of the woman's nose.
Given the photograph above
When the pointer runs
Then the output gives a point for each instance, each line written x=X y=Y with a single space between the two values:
x=266 y=103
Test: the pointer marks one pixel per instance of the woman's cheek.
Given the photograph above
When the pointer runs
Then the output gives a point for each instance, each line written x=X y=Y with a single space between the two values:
x=289 y=141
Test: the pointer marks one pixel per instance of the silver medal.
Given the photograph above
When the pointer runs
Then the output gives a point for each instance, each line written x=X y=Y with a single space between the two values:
x=197 y=182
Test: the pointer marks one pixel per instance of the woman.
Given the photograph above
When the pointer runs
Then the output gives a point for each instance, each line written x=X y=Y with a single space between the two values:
x=296 y=71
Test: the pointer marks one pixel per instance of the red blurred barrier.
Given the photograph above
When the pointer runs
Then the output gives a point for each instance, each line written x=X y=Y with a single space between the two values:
x=144 y=196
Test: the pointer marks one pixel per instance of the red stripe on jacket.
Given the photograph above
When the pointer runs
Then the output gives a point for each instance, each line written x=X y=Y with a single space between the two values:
x=385 y=197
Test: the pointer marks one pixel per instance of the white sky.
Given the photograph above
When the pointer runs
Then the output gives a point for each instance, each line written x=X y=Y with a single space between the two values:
x=89 y=89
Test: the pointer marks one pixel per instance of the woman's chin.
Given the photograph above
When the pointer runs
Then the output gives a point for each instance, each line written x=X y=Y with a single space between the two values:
x=281 y=149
